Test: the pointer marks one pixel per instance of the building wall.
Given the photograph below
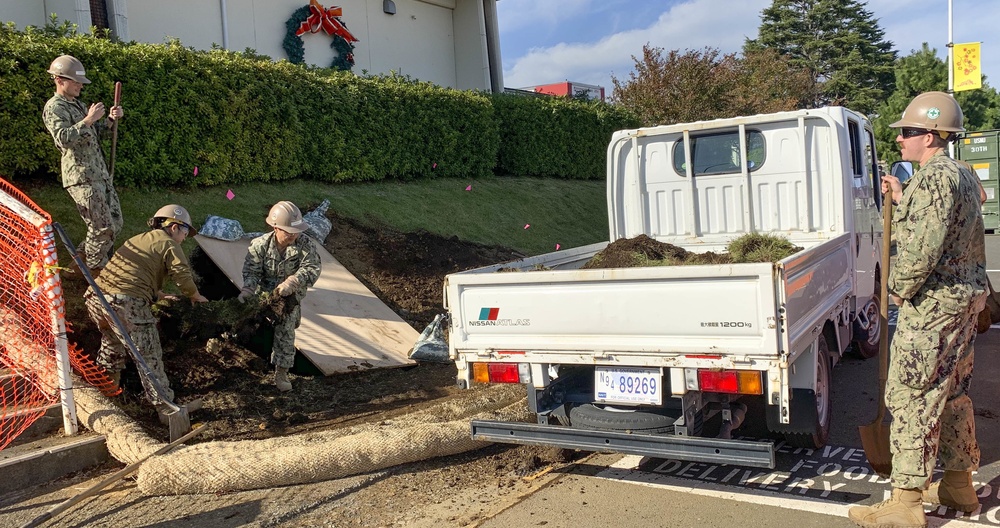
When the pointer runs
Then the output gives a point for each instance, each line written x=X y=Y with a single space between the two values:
x=441 y=41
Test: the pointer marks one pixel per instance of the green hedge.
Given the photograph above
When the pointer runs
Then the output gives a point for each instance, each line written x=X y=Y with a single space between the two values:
x=556 y=137
x=239 y=117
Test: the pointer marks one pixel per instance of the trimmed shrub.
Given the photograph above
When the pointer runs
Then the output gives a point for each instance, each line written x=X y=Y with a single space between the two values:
x=240 y=117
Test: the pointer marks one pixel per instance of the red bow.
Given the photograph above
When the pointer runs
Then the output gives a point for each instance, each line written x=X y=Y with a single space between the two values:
x=325 y=20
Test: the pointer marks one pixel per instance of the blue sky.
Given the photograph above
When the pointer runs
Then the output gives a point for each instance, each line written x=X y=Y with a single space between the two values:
x=588 y=41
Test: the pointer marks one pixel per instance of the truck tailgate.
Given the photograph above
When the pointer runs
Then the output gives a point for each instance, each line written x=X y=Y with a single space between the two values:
x=711 y=309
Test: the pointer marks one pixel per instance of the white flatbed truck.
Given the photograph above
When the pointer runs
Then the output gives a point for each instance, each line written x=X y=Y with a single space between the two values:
x=667 y=361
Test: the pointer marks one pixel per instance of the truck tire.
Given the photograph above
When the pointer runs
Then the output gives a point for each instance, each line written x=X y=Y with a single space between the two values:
x=594 y=418
x=866 y=344
x=820 y=413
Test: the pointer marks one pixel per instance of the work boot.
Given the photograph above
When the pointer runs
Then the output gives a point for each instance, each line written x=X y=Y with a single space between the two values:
x=95 y=272
x=903 y=510
x=955 y=491
x=281 y=379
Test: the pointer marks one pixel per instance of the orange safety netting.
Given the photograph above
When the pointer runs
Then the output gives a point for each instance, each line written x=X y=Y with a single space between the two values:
x=32 y=312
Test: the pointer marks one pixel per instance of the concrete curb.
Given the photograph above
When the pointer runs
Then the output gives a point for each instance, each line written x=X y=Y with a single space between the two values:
x=41 y=462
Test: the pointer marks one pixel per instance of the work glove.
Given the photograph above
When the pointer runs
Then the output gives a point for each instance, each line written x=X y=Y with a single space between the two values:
x=245 y=294
x=288 y=286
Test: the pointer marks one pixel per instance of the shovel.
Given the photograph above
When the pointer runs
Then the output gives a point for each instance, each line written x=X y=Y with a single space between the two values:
x=176 y=415
x=875 y=436
x=114 y=131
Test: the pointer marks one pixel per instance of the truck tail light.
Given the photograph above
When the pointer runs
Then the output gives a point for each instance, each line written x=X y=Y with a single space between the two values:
x=730 y=381
x=500 y=373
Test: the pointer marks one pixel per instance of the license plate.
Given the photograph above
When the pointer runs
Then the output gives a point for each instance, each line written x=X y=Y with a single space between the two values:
x=628 y=385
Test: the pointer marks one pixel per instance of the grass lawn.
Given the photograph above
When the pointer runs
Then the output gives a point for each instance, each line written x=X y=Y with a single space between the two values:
x=530 y=215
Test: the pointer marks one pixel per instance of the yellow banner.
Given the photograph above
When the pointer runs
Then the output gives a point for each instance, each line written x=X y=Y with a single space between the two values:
x=968 y=75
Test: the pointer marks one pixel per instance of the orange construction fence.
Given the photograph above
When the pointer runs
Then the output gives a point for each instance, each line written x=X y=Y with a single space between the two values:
x=35 y=355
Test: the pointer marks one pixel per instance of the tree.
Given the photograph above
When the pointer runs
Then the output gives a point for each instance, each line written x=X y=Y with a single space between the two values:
x=696 y=85
x=922 y=71
x=839 y=42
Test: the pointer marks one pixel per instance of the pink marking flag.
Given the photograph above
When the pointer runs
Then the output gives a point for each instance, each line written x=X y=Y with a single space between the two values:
x=526 y=226
x=557 y=247
x=195 y=170
x=469 y=188
x=230 y=195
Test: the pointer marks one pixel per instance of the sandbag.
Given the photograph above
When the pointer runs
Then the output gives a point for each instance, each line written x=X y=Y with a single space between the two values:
x=221 y=228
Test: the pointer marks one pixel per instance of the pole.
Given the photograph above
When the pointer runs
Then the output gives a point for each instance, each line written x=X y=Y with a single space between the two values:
x=951 y=66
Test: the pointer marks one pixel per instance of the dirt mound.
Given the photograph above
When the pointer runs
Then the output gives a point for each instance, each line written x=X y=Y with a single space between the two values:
x=644 y=251
x=635 y=252
x=233 y=375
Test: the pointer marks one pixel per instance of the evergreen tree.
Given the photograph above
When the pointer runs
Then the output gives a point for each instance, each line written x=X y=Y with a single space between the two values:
x=839 y=42
x=922 y=71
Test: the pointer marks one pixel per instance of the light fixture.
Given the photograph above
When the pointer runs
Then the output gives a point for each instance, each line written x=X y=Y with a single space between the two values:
x=389 y=7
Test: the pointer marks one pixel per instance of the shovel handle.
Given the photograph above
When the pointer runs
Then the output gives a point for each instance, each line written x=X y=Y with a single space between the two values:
x=114 y=130
x=145 y=374
x=883 y=319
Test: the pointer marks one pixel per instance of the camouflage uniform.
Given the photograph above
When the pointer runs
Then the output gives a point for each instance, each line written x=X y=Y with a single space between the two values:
x=265 y=268
x=130 y=283
x=940 y=273
x=85 y=175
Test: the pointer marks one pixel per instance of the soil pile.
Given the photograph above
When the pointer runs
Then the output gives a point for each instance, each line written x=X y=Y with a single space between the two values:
x=643 y=251
x=206 y=356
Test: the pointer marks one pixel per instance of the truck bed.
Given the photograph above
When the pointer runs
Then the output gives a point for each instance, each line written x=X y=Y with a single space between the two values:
x=648 y=316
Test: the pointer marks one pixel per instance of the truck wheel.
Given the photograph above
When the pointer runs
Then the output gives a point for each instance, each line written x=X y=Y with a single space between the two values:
x=592 y=417
x=820 y=419
x=866 y=344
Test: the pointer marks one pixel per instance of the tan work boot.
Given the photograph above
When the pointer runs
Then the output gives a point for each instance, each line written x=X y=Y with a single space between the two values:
x=955 y=491
x=281 y=379
x=903 y=510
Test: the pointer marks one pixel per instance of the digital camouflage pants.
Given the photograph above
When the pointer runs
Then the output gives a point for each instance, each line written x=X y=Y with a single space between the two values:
x=930 y=372
x=98 y=205
x=138 y=320
x=283 y=350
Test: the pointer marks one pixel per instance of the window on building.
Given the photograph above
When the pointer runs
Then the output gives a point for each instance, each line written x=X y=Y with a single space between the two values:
x=99 y=14
x=720 y=153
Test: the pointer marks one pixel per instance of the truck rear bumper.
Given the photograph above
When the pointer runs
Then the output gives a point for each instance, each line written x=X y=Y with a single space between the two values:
x=714 y=450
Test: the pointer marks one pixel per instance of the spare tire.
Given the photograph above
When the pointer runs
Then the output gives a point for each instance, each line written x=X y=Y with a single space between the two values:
x=591 y=417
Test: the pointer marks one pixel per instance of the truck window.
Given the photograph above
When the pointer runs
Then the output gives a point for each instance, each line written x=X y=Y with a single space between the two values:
x=854 y=130
x=720 y=153
x=876 y=174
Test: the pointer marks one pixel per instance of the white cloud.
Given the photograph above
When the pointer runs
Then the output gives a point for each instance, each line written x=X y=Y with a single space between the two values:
x=695 y=24
x=689 y=25
x=517 y=14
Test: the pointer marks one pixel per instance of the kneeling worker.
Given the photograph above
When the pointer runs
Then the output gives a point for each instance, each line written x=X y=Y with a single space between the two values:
x=287 y=264
x=131 y=283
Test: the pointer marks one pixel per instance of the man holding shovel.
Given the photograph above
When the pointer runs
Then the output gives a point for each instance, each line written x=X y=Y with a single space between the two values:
x=75 y=129
x=939 y=284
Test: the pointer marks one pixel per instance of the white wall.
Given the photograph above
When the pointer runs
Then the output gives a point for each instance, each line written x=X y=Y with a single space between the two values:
x=441 y=41
x=36 y=12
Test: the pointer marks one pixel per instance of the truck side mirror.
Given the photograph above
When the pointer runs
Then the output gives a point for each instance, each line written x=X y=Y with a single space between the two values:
x=902 y=170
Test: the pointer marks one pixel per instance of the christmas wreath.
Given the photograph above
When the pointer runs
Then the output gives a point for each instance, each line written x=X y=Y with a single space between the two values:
x=313 y=19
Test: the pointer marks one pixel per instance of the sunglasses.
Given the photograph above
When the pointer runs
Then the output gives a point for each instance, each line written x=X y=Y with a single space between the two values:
x=913 y=132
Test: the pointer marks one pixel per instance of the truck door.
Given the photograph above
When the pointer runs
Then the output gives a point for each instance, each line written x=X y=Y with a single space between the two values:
x=865 y=188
